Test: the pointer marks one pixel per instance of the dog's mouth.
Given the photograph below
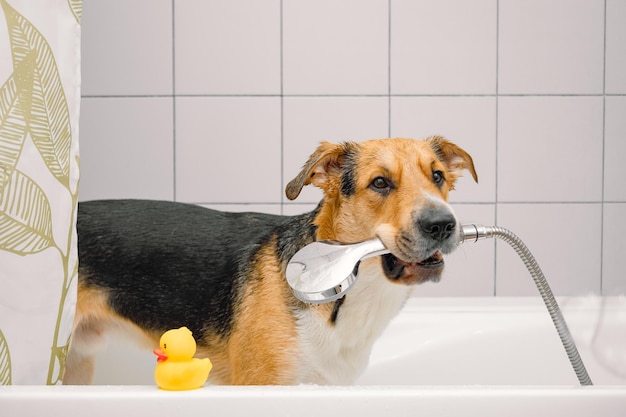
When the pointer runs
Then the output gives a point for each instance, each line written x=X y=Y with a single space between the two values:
x=413 y=272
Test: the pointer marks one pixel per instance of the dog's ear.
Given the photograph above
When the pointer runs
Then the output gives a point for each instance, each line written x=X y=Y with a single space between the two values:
x=453 y=157
x=323 y=169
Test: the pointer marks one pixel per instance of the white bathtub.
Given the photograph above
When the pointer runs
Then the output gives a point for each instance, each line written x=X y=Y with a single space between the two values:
x=468 y=357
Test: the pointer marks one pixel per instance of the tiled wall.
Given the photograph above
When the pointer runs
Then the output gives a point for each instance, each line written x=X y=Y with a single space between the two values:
x=219 y=102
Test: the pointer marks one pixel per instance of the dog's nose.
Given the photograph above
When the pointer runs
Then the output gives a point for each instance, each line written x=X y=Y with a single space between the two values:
x=437 y=226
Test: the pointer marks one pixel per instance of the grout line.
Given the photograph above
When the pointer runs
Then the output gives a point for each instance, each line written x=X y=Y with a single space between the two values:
x=495 y=243
x=282 y=116
x=129 y=96
x=174 y=100
x=523 y=202
x=504 y=94
x=389 y=68
x=239 y=203
x=603 y=157
x=280 y=95
x=454 y=203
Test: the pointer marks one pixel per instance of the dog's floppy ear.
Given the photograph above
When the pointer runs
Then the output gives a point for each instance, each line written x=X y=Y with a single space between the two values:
x=453 y=157
x=323 y=169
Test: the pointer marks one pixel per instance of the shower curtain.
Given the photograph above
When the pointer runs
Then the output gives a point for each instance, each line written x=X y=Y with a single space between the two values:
x=39 y=110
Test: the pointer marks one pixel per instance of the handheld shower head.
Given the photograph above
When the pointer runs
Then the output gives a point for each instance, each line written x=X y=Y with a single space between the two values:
x=323 y=271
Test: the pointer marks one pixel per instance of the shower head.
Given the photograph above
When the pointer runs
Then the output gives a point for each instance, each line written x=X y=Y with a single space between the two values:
x=323 y=271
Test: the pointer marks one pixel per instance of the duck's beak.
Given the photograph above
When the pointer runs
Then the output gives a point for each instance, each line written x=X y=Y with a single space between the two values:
x=161 y=355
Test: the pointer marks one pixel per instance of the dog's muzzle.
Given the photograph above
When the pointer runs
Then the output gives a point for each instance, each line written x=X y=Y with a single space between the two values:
x=419 y=255
x=438 y=227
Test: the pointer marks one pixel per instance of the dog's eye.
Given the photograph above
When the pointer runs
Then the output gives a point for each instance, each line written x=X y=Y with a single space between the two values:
x=438 y=178
x=381 y=184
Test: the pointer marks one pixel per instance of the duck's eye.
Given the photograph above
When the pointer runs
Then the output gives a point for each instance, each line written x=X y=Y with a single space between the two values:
x=381 y=185
x=438 y=178
x=164 y=345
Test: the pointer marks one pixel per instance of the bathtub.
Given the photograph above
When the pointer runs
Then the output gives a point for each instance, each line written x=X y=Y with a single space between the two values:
x=441 y=356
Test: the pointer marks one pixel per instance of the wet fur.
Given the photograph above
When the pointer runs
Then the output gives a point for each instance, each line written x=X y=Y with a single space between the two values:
x=149 y=266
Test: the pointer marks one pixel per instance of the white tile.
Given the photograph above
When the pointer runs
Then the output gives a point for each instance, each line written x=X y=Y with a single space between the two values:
x=467 y=121
x=615 y=47
x=227 y=46
x=126 y=148
x=565 y=241
x=469 y=271
x=310 y=120
x=551 y=46
x=443 y=47
x=241 y=208
x=228 y=150
x=615 y=149
x=550 y=149
x=294 y=209
x=335 y=47
x=127 y=47
x=614 y=248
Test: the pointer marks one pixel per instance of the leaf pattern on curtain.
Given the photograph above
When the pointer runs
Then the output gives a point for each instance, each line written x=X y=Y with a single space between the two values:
x=25 y=216
x=34 y=108
x=76 y=6
x=48 y=119
x=12 y=127
x=5 y=362
x=13 y=112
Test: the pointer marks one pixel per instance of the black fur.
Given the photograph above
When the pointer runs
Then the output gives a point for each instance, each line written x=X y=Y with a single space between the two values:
x=167 y=264
x=348 y=184
x=435 y=144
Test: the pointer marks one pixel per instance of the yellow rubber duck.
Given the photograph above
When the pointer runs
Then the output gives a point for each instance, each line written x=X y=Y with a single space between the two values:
x=176 y=368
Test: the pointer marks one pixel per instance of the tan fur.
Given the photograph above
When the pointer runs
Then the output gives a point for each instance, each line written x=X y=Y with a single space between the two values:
x=263 y=345
x=221 y=373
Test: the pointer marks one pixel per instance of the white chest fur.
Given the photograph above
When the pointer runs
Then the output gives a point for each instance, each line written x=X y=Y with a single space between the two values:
x=338 y=353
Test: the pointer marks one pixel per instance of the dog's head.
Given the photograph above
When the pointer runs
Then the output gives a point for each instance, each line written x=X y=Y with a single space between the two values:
x=395 y=189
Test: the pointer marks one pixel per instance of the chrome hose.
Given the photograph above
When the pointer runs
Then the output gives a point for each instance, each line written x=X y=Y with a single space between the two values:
x=471 y=232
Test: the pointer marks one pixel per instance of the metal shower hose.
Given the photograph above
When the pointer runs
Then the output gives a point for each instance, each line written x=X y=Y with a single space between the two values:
x=543 y=287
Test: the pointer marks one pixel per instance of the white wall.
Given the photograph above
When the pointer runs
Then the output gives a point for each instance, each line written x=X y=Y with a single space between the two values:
x=219 y=102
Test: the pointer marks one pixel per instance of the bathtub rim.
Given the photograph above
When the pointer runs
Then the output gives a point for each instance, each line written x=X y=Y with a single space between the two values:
x=310 y=400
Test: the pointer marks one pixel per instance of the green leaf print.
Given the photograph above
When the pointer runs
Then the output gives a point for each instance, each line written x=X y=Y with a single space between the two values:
x=5 y=362
x=13 y=127
x=33 y=105
x=76 y=6
x=48 y=119
x=25 y=216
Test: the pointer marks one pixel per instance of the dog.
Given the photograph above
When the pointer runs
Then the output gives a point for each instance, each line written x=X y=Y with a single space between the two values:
x=150 y=266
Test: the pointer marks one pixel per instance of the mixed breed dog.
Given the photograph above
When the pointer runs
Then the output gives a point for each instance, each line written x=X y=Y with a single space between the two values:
x=150 y=266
